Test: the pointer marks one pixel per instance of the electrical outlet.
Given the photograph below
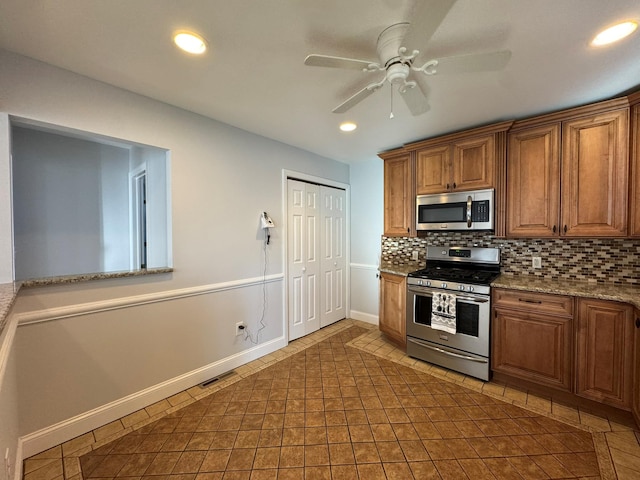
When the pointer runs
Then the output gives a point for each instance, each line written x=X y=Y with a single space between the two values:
x=414 y=255
x=240 y=327
x=537 y=262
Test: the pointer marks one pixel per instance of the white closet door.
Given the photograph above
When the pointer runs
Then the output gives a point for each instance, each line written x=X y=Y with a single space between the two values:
x=333 y=262
x=303 y=232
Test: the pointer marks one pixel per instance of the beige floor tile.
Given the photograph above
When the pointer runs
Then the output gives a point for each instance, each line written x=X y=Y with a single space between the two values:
x=344 y=402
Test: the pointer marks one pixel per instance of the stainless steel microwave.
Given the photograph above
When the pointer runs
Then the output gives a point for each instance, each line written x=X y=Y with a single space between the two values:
x=473 y=210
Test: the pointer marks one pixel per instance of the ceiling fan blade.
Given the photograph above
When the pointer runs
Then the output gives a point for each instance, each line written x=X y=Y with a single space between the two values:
x=479 y=62
x=415 y=99
x=357 y=98
x=425 y=20
x=339 y=62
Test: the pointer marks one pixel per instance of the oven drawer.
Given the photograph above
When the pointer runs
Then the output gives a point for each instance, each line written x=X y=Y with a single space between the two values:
x=463 y=362
x=540 y=302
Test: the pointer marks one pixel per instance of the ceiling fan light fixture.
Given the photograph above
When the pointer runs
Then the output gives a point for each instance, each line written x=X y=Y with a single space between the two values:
x=348 y=126
x=190 y=42
x=614 y=33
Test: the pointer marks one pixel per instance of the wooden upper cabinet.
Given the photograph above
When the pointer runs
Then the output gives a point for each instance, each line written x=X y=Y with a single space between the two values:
x=567 y=173
x=533 y=184
x=461 y=161
x=604 y=353
x=595 y=166
x=474 y=163
x=399 y=199
x=464 y=164
x=634 y=204
x=433 y=167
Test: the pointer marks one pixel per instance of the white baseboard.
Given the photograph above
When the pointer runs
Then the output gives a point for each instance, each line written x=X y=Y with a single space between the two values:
x=19 y=458
x=364 y=317
x=41 y=440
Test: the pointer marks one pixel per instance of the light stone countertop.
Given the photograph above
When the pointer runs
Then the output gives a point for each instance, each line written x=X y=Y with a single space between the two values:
x=620 y=293
x=85 y=277
x=8 y=293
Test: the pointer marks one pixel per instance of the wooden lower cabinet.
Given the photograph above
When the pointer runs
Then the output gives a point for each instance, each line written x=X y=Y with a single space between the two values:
x=605 y=352
x=532 y=337
x=393 y=295
x=635 y=406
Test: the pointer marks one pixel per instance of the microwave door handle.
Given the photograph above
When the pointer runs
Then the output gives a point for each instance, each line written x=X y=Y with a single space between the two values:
x=469 y=203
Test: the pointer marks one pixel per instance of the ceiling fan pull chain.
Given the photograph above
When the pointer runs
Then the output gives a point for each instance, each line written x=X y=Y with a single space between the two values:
x=391 y=114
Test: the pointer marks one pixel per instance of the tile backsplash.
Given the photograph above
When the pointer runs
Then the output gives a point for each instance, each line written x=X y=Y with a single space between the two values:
x=599 y=260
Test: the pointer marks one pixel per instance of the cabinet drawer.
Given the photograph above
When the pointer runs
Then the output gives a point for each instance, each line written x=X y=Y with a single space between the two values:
x=539 y=302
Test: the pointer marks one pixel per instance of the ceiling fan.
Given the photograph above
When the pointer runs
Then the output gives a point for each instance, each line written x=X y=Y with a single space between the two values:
x=398 y=47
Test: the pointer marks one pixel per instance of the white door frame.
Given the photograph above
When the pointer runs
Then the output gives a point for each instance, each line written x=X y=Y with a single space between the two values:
x=286 y=174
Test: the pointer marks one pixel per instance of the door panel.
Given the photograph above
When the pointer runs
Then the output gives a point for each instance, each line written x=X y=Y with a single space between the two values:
x=333 y=258
x=302 y=258
x=316 y=257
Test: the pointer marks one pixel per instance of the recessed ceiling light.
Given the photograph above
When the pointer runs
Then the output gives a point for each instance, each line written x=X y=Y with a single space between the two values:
x=614 y=33
x=190 y=42
x=348 y=126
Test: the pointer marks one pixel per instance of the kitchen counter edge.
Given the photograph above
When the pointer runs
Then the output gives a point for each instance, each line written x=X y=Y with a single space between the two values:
x=605 y=291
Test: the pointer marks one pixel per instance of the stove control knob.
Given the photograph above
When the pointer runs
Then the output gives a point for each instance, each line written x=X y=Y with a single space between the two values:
x=419 y=282
x=461 y=288
x=444 y=285
x=470 y=288
x=428 y=283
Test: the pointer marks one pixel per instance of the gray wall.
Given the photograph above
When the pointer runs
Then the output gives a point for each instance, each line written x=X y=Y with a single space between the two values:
x=221 y=177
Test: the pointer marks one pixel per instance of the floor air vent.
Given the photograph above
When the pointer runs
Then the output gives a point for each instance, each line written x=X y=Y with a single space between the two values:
x=206 y=383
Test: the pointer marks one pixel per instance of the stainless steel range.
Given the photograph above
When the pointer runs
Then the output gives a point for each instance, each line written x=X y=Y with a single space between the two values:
x=449 y=308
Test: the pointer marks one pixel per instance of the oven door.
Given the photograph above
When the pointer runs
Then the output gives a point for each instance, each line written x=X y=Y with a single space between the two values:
x=472 y=320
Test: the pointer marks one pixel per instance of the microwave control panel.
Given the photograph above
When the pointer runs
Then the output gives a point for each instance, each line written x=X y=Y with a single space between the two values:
x=480 y=211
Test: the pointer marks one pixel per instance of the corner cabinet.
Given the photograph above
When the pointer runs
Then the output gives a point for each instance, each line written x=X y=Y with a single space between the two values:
x=399 y=194
x=532 y=337
x=567 y=173
x=605 y=352
x=393 y=295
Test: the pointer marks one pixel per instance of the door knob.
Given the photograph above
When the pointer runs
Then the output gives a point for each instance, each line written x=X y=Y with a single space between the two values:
x=304 y=269
x=335 y=264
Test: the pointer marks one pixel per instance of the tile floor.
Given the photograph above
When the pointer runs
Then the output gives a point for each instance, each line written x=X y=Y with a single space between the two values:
x=343 y=403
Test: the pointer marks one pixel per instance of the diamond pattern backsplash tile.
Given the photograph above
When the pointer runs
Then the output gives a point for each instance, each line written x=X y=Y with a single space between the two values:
x=598 y=260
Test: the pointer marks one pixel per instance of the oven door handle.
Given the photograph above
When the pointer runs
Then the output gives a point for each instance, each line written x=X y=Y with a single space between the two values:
x=469 y=204
x=446 y=352
x=425 y=290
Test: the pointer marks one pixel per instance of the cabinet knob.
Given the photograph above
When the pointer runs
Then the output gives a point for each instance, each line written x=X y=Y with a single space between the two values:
x=565 y=229
x=447 y=186
x=637 y=322
x=554 y=229
x=454 y=184
x=408 y=229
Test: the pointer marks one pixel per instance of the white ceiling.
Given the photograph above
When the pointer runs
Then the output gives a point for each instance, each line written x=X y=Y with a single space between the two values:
x=253 y=76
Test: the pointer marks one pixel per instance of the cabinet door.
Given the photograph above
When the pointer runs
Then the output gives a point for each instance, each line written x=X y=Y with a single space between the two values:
x=474 y=163
x=636 y=373
x=635 y=173
x=433 y=170
x=393 y=294
x=604 y=353
x=533 y=347
x=595 y=169
x=398 y=197
x=533 y=182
